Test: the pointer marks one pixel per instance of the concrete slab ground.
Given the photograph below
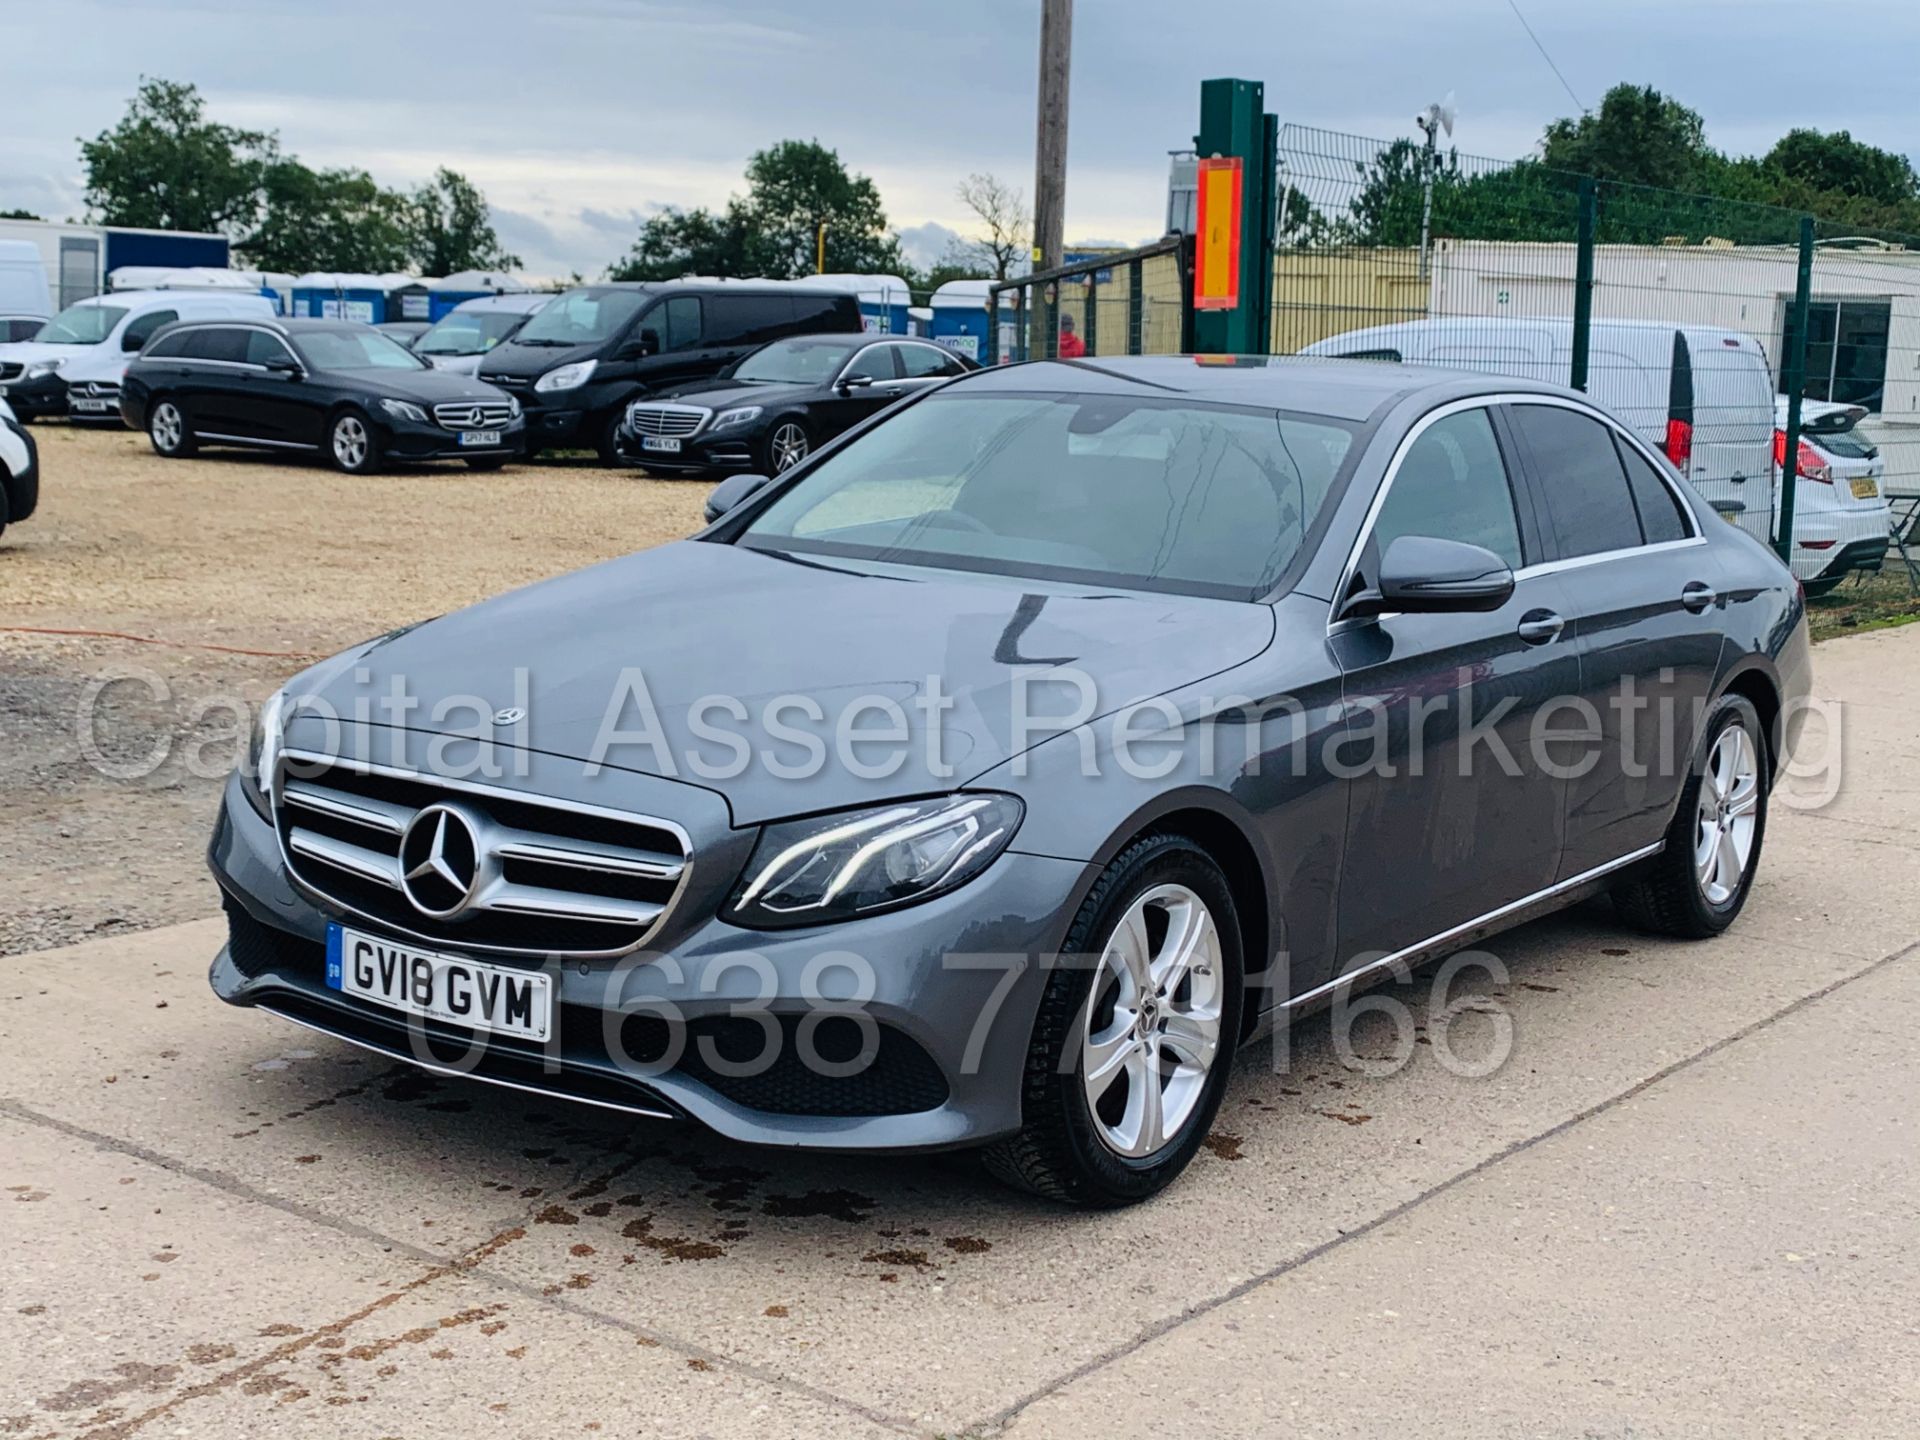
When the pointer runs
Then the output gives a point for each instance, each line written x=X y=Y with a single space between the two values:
x=1734 y=1103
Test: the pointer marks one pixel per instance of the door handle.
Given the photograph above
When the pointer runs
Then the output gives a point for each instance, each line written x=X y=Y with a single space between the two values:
x=1696 y=596
x=1538 y=627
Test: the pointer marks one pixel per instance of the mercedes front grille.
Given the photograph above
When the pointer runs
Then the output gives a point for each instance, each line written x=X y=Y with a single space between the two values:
x=485 y=869
x=473 y=414
x=676 y=420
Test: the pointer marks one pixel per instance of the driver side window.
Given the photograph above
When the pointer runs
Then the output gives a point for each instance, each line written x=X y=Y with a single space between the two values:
x=676 y=321
x=1453 y=485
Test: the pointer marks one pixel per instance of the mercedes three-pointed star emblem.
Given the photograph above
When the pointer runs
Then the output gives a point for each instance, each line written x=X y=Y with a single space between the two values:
x=440 y=861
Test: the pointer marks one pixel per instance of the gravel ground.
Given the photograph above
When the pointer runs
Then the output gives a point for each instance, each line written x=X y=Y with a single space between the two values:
x=281 y=557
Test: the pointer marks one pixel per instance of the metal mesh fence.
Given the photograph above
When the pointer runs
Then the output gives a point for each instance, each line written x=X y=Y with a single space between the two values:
x=1133 y=302
x=1676 y=312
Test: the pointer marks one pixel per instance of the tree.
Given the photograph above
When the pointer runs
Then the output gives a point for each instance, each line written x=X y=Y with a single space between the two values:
x=1638 y=137
x=686 y=242
x=20 y=215
x=450 y=228
x=340 y=220
x=1838 y=163
x=1002 y=212
x=794 y=188
x=165 y=166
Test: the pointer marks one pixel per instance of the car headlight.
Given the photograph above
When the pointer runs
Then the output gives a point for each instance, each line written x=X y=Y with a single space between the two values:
x=404 y=410
x=513 y=407
x=566 y=377
x=856 y=862
x=263 y=753
x=44 y=367
x=726 y=419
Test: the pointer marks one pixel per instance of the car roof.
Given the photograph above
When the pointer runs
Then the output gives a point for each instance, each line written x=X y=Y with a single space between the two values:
x=517 y=302
x=1339 y=389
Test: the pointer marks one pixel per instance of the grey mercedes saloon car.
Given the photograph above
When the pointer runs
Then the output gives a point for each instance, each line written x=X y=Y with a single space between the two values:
x=993 y=776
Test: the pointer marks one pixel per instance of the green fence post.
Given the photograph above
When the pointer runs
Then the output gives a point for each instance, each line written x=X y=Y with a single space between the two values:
x=1232 y=125
x=992 y=355
x=1136 y=307
x=1583 y=284
x=1090 y=318
x=1793 y=366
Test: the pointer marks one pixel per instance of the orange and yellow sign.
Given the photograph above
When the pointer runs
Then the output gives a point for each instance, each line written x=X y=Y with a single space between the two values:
x=1216 y=267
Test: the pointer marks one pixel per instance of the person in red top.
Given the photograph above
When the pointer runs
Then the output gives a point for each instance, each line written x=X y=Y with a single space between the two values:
x=1072 y=347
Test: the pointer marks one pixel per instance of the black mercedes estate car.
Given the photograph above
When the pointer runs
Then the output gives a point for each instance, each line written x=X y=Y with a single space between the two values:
x=341 y=389
x=769 y=411
x=991 y=777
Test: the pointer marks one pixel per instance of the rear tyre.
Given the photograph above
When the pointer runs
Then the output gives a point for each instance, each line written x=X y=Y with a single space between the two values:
x=167 y=431
x=352 y=445
x=1698 y=884
x=1135 y=1037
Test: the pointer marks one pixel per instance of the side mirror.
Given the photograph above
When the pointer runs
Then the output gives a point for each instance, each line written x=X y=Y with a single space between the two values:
x=130 y=343
x=649 y=343
x=730 y=492
x=853 y=382
x=285 y=368
x=1422 y=574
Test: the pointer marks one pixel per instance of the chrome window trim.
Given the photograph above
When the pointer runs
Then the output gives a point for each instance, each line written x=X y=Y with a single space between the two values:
x=254 y=440
x=475 y=787
x=1525 y=572
x=1406 y=953
x=854 y=359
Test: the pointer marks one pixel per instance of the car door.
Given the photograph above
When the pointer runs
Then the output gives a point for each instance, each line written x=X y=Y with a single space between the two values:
x=677 y=335
x=281 y=403
x=922 y=365
x=1641 y=589
x=215 y=393
x=1452 y=812
x=847 y=402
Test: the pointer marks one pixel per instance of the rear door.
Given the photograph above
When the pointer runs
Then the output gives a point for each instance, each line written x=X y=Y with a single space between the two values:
x=279 y=406
x=211 y=392
x=1641 y=589
x=1721 y=426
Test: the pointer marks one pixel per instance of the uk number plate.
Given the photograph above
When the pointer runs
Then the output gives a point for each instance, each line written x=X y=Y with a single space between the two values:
x=665 y=443
x=433 y=986
x=1865 y=488
x=479 y=437
x=100 y=407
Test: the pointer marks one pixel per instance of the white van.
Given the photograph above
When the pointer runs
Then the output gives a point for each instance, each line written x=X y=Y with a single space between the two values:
x=460 y=339
x=25 y=302
x=75 y=364
x=1703 y=397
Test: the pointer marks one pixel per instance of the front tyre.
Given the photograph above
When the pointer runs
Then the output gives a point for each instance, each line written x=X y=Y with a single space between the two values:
x=167 y=431
x=1136 y=1032
x=351 y=444
x=787 y=443
x=1698 y=884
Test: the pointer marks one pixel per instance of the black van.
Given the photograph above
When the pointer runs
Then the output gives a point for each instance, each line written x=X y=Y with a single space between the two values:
x=577 y=364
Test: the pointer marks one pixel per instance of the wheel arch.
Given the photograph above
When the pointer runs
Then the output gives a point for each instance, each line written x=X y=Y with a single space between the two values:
x=1755 y=684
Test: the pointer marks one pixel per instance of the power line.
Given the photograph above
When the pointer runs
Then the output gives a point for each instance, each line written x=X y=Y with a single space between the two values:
x=1514 y=6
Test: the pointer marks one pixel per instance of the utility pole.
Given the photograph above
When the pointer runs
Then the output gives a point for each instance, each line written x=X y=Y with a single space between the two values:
x=1050 y=148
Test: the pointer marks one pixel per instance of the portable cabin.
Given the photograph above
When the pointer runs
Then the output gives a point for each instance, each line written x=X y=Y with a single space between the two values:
x=444 y=294
x=960 y=318
x=325 y=296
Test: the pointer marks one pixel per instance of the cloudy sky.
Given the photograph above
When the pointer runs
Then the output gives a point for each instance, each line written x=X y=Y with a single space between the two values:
x=581 y=117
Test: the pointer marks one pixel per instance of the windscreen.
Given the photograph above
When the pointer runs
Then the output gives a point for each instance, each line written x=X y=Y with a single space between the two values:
x=471 y=332
x=796 y=362
x=1146 y=494
x=354 y=350
x=583 y=317
x=81 y=325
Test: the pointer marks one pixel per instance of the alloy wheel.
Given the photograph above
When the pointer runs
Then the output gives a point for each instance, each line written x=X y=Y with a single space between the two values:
x=1152 y=1028
x=789 y=446
x=350 y=442
x=167 y=427
x=1728 y=815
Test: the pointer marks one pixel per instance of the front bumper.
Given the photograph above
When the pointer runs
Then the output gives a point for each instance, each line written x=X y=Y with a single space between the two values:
x=726 y=451
x=952 y=1029
x=410 y=440
x=38 y=398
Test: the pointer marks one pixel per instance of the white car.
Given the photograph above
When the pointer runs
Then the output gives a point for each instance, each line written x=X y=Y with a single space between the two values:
x=19 y=470
x=1841 y=516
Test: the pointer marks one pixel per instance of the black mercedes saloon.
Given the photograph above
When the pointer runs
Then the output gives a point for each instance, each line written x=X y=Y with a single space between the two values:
x=342 y=390
x=990 y=778
x=769 y=411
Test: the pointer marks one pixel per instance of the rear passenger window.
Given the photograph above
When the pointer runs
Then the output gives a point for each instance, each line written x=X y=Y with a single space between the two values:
x=748 y=319
x=174 y=344
x=822 y=312
x=1453 y=485
x=216 y=343
x=921 y=362
x=1586 y=489
x=1661 y=517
